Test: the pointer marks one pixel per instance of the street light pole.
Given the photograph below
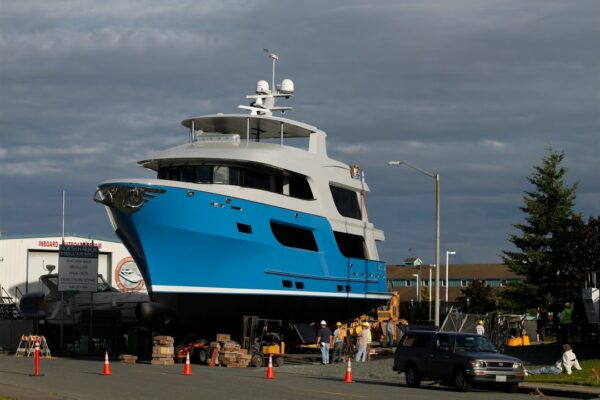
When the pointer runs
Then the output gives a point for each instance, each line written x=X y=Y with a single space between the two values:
x=437 y=231
x=417 y=279
x=429 y=291
x=447 y=256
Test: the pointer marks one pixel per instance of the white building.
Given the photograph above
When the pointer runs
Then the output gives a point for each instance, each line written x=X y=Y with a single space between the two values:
x=23 y=259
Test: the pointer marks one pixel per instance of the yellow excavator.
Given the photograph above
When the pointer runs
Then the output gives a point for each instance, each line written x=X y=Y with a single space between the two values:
x=391 y=310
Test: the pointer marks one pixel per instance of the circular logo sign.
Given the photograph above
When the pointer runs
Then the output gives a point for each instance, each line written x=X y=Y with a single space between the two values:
x=128 y=276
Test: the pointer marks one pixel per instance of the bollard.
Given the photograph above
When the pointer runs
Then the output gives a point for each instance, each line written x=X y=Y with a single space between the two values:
x=37 y=358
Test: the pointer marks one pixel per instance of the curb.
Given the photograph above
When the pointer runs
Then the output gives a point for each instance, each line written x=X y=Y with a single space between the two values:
x=574 y=391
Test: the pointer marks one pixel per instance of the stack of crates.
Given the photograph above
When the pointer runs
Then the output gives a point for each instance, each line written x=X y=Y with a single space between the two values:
x=163 y=351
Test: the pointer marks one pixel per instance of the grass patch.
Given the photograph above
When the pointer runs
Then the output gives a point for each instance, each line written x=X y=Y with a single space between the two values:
x=583 y=377
x=6 y=398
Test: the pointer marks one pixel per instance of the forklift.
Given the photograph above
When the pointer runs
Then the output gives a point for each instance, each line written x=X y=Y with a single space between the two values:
x=263 y=338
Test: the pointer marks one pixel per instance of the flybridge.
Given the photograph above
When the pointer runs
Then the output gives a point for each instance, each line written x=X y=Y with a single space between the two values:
x=259 y=123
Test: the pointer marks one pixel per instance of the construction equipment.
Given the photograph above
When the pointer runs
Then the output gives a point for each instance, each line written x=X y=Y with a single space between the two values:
x=199 y=351
x=390 y=311
x=263 y=338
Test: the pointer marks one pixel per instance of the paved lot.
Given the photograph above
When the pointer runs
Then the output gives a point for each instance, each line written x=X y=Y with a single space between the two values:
x=82 y=379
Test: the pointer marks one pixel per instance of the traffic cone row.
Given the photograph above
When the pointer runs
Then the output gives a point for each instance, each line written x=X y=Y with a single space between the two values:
x=270 y=372
x=187 y=370
x=348 y=377
x=106 y=365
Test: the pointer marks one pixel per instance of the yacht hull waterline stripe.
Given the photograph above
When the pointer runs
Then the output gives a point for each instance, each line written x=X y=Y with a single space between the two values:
x=196 y=289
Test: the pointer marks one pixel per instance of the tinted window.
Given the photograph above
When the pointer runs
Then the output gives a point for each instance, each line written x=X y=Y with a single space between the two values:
x=256 y=180
x=188 y=173
x=256 y=177
x=442 y=343
x=350 y=245
x=412 y=340
x=474 y=343
x=204 y=174
x=292 y=236
x=346 y=202
x=174 y=174
x=299 y=187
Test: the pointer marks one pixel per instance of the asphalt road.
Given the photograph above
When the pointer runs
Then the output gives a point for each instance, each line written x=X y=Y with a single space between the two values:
x=82 y=379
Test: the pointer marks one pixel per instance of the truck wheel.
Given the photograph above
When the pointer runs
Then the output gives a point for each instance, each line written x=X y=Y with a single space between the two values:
x=413 y=379
x=460 y=380
x=256 y=361
x=279 y=361
x=202 y=356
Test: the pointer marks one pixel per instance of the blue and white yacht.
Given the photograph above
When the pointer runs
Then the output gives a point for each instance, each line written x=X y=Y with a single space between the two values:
x=242 y=221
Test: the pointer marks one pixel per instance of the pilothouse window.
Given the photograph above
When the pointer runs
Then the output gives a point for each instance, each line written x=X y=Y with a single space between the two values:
x=352 y=246
x=346 y=202
x=256 y=176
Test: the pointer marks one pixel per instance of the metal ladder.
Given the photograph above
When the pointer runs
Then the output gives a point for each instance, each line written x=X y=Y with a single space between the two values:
x=8 y=307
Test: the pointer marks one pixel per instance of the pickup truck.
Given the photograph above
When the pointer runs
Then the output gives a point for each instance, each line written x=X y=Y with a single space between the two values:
x=459 y=359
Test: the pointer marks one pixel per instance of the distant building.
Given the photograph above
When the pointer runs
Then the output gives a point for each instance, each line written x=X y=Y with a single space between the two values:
x=400 y=278
x=24 y=258
x=413 y=261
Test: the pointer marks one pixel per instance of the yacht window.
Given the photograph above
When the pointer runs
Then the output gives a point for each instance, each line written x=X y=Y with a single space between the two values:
x=292 y=236
x=221 y=174
x=204 y=174
x=299 y=187
x=235 y=176
x=256 y=180
x=350 y=245
x=188 y=173
x=346 y=202
x=174 y=174
x=256 y=177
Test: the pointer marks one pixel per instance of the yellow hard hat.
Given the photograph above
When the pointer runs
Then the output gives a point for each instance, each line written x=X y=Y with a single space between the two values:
x=365 y=323
x=480 y=322
x=338 y=323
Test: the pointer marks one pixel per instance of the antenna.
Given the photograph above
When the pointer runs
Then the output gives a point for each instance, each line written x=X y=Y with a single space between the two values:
x=273 y=57
x=63 y=217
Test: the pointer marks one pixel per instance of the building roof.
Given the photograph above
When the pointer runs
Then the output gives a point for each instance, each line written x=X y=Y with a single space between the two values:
x=47 y=235
x=412 y=261
x=455 y=271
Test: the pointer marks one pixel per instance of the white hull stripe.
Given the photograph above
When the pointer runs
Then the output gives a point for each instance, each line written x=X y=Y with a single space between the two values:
x=199 y=289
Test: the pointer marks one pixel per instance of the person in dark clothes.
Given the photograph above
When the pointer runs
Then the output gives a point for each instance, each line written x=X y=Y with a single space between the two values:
x=324 y=339
x=542 y=320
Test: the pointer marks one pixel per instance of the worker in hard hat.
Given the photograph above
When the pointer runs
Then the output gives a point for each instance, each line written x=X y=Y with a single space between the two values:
x=324 y=337
x=363 y=339
x=338 y=342
x=480 y=328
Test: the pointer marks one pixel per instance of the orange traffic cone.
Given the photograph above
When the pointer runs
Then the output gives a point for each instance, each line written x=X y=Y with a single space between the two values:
x=270 y=373
x=348 y=377
x=106 y=365
x=187 y=370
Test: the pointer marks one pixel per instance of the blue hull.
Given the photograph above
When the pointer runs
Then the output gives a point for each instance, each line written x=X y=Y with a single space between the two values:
x=197 y=248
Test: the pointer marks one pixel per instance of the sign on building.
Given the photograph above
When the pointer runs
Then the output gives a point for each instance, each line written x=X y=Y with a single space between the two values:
x=78 y=268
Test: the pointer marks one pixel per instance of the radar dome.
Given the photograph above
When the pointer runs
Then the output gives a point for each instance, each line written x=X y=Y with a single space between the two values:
x=287 y=86
x=262 y=87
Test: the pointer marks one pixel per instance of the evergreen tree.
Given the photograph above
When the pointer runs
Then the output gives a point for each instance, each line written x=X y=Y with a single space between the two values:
x=543 y=240
x=480 y=296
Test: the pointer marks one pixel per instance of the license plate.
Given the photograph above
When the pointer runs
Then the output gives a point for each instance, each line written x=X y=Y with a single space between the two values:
x=500 y=378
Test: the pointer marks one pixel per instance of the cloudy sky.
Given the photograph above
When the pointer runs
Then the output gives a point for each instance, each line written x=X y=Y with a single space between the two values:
x=473 y=90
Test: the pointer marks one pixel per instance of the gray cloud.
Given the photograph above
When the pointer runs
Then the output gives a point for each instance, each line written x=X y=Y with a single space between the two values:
x=474 y=90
